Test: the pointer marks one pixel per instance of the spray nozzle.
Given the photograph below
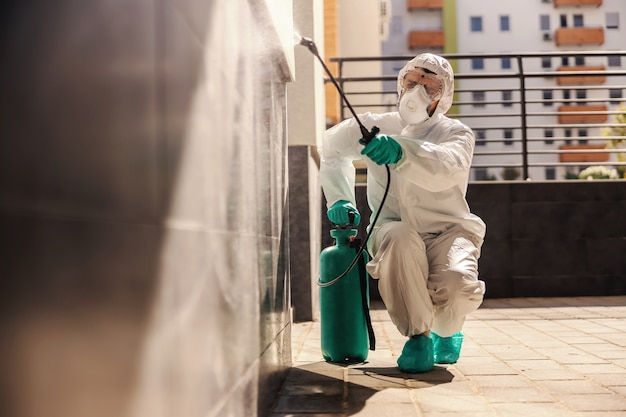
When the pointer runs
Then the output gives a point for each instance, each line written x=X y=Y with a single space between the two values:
x=309 y=44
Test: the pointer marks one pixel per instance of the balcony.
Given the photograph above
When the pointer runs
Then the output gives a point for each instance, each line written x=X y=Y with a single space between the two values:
x=579 y=36
x=578 y=154
x=426 y=39
x=424 y=4
x=583 y=79
x=588 y=113
x=577 y=3
x=516 y=123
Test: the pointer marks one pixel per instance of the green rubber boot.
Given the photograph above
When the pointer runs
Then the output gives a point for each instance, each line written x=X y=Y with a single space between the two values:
x=417 y=355
x=447 y=349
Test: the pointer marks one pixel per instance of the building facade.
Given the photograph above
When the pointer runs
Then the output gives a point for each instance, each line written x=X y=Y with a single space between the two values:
x=565 y=113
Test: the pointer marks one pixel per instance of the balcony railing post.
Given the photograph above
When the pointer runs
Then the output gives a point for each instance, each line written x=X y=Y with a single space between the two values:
x=341 y=85
x=524 y=127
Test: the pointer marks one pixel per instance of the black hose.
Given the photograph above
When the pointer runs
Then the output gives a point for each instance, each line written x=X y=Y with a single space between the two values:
x=367 y=238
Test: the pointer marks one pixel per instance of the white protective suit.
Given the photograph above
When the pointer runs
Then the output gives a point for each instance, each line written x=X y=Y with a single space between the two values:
x=426 y=242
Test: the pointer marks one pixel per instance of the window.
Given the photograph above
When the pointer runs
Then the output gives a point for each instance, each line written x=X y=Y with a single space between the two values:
x=615 y=94
x=504 y=24
x=508 y=135
x=565 y=61
x=563 y=20
x=481 y=135
x=567 y=95
x=612 y=20
x=507 y=96
x=396 y=26
x=505 y=63
x=547 y=97
x=476 y=23
x=568 y=134
x=615 y=61
x=477 y=97
x=582 y=133
x=578 y=21
x=550 y=173
x=544 y=22
x=478 y=63
x=581 y=96
x=548 y=133
x=546 y=62
x=580 y=61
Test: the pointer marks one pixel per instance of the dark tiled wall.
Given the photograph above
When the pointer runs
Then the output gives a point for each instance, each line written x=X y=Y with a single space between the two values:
x=143 y=235
x=552 y=238
x=304 y=230
x=546 y=239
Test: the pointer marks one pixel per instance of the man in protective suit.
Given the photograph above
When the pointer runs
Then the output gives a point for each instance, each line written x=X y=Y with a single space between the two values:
x=426 y=242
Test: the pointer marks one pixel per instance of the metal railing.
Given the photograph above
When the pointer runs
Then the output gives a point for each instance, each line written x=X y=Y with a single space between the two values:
x=523 y=120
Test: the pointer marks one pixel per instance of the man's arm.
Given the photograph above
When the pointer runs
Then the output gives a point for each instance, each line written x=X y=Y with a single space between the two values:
x=437 y=166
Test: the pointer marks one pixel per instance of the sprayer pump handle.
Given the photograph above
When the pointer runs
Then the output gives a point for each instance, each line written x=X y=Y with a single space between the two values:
x=368 y=135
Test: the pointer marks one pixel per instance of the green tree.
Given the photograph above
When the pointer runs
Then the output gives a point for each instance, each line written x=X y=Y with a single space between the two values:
x=617 y=137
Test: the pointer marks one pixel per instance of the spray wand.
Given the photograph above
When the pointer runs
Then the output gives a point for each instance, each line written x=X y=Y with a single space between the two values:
x=367 y=137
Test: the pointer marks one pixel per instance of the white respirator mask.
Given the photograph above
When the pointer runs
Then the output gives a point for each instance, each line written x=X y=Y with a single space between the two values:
x=420 y=90
x=413 y=106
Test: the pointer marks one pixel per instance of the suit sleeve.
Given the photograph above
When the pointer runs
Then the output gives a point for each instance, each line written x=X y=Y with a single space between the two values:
x=340 y=147
x=437 y=166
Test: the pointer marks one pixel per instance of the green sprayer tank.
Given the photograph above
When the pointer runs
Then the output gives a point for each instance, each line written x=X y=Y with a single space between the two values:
x=344 y=305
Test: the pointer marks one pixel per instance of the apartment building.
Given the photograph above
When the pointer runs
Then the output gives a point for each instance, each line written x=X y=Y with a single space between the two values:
x=564 y=113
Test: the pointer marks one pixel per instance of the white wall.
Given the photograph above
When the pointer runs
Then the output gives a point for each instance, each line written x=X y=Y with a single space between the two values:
x=305 y=96
x=359 y=36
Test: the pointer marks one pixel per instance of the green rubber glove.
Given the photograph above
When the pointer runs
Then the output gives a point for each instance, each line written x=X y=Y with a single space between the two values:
x=340 y=213
x=383 y=150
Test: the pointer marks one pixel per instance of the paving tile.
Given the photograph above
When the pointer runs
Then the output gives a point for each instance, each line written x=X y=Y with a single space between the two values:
x=581 y=386
x=378 y=380
x=382 y=410
x=534 y=364
x=504 y=381
x=533 y=409
x=320 y=403
x=516 y=395
x=604 y=351
x=594 y=402
x=620 y=390
x=537 y=357
x=452 y=389
x=429 y=402
x=357 y=394
x=598 y=368
x=507 y=352
x=553 y=375
x=488 y=368
x=608 y=380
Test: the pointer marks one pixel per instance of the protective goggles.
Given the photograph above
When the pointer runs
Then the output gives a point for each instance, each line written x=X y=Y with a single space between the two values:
x=430 y=82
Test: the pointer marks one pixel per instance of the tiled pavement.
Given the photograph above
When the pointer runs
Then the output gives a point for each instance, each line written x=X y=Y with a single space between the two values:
x=530 y=357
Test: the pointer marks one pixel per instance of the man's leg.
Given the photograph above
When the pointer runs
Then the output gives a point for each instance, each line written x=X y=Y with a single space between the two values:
x=454 y=288
x=399 y=263
x=401 y=267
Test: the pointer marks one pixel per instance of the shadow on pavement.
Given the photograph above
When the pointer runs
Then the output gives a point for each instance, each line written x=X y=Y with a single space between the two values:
x=326 y=388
